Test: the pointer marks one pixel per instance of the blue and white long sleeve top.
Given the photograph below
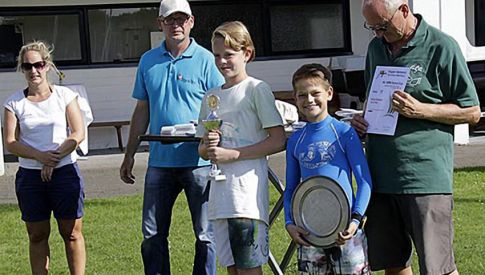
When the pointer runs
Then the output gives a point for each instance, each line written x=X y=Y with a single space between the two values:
x=327 y=148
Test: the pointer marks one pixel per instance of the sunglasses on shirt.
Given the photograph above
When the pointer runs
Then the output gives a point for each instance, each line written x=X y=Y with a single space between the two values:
x=37 y=65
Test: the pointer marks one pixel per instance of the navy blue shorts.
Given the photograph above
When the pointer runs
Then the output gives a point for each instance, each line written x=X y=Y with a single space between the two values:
x=63 y=195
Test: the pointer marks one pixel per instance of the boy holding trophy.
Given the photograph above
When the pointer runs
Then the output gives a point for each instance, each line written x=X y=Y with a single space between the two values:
x=250 y=129
x=331 y=148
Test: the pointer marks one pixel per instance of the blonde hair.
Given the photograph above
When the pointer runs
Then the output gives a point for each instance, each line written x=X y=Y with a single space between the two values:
x=236 y=36
x=44 y=49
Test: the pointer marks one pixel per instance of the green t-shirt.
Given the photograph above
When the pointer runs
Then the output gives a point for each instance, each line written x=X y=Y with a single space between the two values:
x=418 y=159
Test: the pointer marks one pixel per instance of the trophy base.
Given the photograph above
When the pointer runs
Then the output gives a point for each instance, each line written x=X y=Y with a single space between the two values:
x=216 y=174
x=220 y=177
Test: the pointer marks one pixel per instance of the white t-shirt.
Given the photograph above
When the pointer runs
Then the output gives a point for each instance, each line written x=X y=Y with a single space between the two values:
x=43 y=125
x=246 y=109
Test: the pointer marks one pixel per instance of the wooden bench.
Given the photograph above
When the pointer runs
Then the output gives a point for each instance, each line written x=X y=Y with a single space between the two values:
x=117 y=124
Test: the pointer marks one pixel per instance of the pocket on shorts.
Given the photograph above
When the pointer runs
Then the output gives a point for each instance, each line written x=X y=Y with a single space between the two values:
x=354 y=258
x=70 y=174
x=312 y=260
x=19 y=177
x=27 y=180
x=249 y=242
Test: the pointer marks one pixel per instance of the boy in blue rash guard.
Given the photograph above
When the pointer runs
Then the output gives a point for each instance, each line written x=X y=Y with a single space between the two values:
x=326 y=147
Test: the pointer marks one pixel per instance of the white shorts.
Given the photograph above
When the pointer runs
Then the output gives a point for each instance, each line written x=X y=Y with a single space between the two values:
x=241 y=242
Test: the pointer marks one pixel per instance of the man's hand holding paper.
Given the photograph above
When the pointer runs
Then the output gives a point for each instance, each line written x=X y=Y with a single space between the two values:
x=384 y=104
x=407 y=105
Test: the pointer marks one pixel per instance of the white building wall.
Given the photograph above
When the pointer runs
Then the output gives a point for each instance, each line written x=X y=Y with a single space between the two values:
x=30 y=3
x=109 y=93
x=450 y=17
x=470 y=20
x=109 y=89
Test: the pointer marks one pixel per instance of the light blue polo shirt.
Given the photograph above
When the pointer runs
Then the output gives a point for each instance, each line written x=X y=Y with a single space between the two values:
x=174 y=88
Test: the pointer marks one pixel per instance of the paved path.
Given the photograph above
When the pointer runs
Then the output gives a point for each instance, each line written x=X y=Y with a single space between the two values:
x=101 y=170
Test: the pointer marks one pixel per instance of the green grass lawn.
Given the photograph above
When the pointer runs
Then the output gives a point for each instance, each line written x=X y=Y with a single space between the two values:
x=113 y=235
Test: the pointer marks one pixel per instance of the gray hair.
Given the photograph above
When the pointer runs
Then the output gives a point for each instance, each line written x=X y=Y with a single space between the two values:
x=390 y=5
x=393 y=5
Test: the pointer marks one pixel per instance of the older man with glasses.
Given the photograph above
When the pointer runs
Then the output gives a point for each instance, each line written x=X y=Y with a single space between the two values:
x=170 y=83
x=412 y=171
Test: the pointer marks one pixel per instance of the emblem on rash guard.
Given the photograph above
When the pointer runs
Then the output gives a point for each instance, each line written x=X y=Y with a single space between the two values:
x=317 y=154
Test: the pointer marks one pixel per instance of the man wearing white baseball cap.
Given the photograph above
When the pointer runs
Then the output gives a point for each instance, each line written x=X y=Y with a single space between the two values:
x=168 y=7
x=170 y=83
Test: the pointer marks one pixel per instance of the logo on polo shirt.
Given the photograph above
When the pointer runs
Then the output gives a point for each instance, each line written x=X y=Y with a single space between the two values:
x=180 y=77
x=416 y=73
x=416 y=68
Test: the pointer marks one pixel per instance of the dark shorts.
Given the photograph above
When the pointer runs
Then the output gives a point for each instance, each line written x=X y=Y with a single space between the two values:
x=395 y=222
x=63 y=195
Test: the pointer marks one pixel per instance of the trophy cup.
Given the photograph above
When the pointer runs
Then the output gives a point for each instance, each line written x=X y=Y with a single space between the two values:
x=213 y=122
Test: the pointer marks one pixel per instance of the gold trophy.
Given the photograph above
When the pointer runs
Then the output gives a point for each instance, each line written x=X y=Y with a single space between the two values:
x=213 y=122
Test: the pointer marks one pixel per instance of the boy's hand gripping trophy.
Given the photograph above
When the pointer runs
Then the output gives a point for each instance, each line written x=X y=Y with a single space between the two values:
x=213 y=122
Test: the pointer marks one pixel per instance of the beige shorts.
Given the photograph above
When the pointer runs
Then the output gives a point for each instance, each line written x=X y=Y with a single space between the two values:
x=241 y=242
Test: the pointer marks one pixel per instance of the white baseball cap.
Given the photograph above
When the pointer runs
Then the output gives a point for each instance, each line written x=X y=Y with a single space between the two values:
x=168 y=7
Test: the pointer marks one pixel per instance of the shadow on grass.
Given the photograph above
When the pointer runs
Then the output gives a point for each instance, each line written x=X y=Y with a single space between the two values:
x=471 y=169
x=468 y=200
x=5 y=208
x=113 y=201
x=103 y=203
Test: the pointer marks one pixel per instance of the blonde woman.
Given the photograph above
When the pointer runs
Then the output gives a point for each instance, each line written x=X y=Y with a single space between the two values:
x=48 y=179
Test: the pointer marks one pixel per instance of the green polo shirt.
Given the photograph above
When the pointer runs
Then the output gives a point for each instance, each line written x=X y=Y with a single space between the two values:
x=418 y=159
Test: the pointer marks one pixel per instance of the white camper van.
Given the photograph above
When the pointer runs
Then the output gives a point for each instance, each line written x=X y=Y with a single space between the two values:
x=98 y=43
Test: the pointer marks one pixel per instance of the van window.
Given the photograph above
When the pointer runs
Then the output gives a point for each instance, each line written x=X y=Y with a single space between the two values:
x=59 y=30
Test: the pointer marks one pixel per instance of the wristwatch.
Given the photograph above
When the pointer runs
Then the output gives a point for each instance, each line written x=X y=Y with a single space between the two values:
x=358 y=219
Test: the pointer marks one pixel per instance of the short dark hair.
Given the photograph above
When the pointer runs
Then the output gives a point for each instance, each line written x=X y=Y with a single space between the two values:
x=313 y=70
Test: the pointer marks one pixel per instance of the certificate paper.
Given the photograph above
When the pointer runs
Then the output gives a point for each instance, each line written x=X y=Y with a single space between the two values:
x=379 y=114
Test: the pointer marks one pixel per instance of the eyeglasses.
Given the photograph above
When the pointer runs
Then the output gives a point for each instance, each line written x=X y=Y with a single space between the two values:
x=37 y=65
x=381 y=27
x=173 y=20
x=377 y=28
